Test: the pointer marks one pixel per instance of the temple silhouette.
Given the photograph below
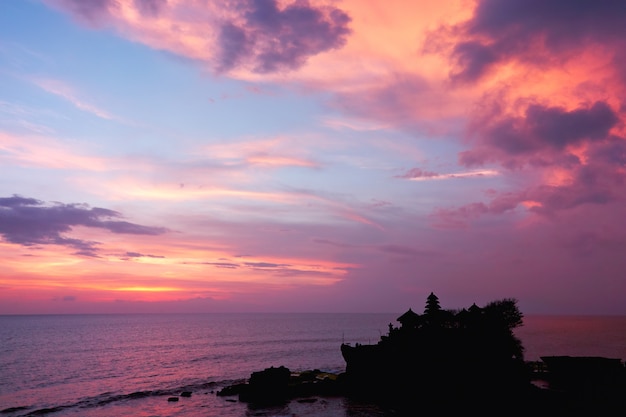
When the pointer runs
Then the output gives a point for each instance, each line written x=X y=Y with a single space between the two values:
x=443 y=355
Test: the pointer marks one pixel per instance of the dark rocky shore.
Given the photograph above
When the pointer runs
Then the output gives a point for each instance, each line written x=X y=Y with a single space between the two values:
x=557 y=386
x=451 y=362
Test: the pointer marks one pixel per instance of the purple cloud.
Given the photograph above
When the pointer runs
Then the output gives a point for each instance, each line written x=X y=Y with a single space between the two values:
x=591 y=185
x=559 y=128
x=610 y=152
x=417 y=173
x=473 y=58
x=265 y=265
x=150 y=7
x=276 y=39
x=129 y=255
x=258 y=34
x=227 y=265
x=541 y=136
x=534 y=31
x=27 y=221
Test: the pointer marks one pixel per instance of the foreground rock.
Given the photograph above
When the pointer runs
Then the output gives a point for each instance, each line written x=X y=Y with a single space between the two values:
x=587 y=385
x=602 y=395
x=278 y=385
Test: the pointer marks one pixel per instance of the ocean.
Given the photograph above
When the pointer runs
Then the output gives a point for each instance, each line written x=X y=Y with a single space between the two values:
x=129 y=365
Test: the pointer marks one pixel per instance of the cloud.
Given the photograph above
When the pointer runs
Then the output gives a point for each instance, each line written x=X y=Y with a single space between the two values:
x=92 y=11
x=65 y=91
x=49 y=152
x=275 y=39
x=25 y=117
x=395 y=249
x=28 y=221
x=536 y=84
x=129 y=255
x=276 y=152
x=226 y=265
x=150 y=7
x=541 y=129
x=533 y=31
x=559 y=128
x=591 y=185
x=124 y=227
x=547 y=80
x=417 y=174
x=576 y=156
x=264 y=265
x=259 y=36
x=398 y=99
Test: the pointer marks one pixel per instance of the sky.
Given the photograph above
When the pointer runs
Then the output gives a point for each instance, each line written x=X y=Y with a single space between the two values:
x=312 y=156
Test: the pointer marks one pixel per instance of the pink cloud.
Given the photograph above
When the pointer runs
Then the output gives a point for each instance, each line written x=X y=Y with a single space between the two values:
x=551 y=111
x=262 y=37
x=48 y=152
x=417 y=174
x=407 y=101
x=534 y=32
x=592 y=185
x=280 y=38
x=92 y=12
x=543 y=135
x=150 y=7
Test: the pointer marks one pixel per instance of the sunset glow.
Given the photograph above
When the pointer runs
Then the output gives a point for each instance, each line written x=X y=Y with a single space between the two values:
x=174 y=155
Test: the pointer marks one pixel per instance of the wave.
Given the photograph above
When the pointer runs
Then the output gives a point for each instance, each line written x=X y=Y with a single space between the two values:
x=108 y=398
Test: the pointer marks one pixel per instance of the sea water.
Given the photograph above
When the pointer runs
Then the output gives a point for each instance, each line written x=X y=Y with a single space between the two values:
x=112 y=365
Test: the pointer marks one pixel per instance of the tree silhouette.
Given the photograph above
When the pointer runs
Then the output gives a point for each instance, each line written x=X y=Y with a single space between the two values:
x=505 y=311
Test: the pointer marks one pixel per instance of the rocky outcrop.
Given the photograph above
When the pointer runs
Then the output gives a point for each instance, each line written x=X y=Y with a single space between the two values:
x=277 y=385
x=588 y=385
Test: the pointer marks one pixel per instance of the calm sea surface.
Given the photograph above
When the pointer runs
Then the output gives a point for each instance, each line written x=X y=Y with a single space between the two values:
x=113 y=365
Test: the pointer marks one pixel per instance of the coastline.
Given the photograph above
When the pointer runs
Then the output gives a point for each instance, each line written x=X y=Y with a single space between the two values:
x=204 y=353
x=569 y=386
x=453 y=361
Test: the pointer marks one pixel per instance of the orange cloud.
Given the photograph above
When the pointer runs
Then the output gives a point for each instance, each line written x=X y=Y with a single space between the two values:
x=178 y=268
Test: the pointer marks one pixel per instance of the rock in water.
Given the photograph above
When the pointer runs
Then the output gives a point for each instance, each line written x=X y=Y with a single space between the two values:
x=269 y=386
